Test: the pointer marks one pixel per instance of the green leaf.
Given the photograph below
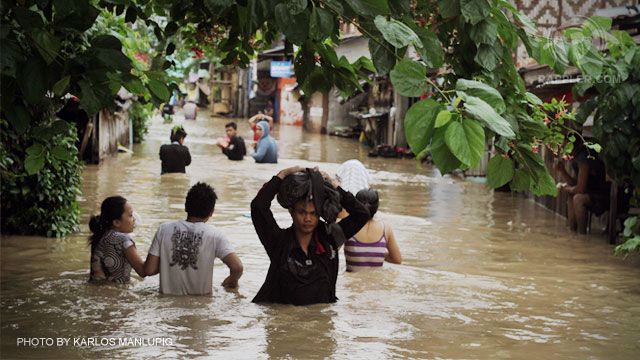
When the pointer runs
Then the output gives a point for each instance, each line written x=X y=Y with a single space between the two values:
x=521 y=181
x=577 y=49
x=499 y=171
x=135 y=86
x=171 y=28
x=582 y=86
x=159 y=89
x=475 y=10
x=94 y=98
x=18 y=117
x=106 y=42
x=419 y=123
x=295 y=7
x=597 y=25
x=33 y=80
x=431 y=50
x=158 y=32
x=48 y=45
x=574 y=34
x=630 y=245
x=443 y=118
x=506 y=29
x=554 y=53
x=395 y=32
x=321 y=25
x=629 y=55
x=60 y=87
x=59 y=127
x=398 y=8
x=218 y=6
x=132 y=14
x=170 y=49
x=591 y=65
x=35 y=150
x=61 y=153
x=483 y=91
x=484 y=32
x=466 y=141
x=543 y=183
x=11 y=57
x=76 y=15
x=629 y=224
x=449 y=8
x=33 y=165
x=27 y=19
x=442 y=156
x=383 y=59
x=294 y=27
x=489 y=56
x=369 y=8
x=408 y=78
x=114 y=59
x=484 y=112
x=533 y=98
x=621 y=72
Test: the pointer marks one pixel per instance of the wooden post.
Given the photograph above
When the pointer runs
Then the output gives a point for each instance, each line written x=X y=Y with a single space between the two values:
x=85 y=139
x=212 y=87
x=325 y=113
x=613 y=213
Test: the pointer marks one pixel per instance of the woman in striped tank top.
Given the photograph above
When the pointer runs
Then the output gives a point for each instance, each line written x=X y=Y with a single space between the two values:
x=374 y=243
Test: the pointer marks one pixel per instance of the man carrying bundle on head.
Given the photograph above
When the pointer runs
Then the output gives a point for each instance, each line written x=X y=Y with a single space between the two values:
x=304 y=257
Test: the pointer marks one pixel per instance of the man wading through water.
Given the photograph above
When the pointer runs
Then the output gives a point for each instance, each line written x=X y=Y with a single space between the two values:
x=304 y=257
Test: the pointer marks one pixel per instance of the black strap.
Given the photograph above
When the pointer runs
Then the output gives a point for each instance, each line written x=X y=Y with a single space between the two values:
x=317 y=188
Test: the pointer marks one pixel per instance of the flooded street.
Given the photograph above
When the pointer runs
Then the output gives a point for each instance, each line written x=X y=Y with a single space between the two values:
x=484 y=276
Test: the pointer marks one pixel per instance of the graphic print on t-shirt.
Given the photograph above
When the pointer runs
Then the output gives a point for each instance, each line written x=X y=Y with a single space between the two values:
x=184 y=248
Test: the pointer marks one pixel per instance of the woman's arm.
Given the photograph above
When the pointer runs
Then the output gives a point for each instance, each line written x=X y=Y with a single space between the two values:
x=152 y=265
x=135 y=260
x=393 y=255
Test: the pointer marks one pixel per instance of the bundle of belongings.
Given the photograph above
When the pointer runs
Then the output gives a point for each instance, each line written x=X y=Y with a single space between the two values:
x=311 y=186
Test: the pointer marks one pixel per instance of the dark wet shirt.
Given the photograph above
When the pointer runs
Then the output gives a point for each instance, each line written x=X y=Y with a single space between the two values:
x=175 y=158
x=295 y=277
x=236 y=149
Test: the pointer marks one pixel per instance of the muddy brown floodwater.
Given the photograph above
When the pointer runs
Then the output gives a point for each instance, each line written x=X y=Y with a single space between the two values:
x=485 y=275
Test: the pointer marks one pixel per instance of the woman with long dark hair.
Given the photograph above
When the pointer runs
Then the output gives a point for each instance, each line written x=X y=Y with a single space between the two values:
x=374 y=243
x=113 y=252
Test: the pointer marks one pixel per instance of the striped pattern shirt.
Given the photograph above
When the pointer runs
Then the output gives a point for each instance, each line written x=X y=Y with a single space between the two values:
x=361 y=255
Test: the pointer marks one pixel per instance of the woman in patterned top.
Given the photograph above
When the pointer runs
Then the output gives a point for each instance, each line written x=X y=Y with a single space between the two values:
x=374 y=243
x=113 y=253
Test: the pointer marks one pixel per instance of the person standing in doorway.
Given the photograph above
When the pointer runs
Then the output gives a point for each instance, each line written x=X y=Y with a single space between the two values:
x=175 y=156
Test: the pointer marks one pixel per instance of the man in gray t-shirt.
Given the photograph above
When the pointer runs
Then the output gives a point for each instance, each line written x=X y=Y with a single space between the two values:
x=183 y=251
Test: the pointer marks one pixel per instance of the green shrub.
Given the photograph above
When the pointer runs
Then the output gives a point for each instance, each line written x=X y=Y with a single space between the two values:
x=140 y=114
x=40 y=179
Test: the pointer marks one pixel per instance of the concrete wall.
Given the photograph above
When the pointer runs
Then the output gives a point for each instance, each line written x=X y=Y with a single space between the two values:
x=315 y=113
x=339 y=113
